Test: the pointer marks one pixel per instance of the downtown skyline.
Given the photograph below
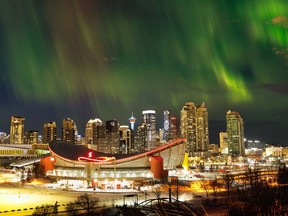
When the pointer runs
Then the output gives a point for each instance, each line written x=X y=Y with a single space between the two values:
x=106 y=59
x=213 y=133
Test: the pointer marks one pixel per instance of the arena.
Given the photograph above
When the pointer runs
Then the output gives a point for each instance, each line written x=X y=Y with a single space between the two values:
x=78 y=166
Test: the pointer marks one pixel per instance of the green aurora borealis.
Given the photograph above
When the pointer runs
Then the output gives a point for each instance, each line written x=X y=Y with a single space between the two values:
x=102 y=58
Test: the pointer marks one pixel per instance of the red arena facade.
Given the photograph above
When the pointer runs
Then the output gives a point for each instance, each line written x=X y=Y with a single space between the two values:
x=78 y=166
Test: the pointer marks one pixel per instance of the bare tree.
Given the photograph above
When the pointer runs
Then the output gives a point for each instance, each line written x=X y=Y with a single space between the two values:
x=205 y=186
x=282 y=177
x=157 y=193
x=172 y=187
x=177 y=184
x=264 y=198
x=228 y=179
x=44 y=210
x=253 y=177
x=87 y=202
x=214 y=186
x=169 y=187
x=261 y=199
x=71 y=209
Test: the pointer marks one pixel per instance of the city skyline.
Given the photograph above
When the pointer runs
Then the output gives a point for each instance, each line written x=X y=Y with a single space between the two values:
x=159 y=126
x=107 y=59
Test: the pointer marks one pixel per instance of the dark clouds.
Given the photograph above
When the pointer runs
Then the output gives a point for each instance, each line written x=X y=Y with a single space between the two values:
x=277 y=87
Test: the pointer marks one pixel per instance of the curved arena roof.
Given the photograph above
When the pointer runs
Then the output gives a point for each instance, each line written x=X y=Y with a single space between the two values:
x=172 y=154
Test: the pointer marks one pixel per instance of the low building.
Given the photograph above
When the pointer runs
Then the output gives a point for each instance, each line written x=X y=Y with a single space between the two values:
x=273 y=151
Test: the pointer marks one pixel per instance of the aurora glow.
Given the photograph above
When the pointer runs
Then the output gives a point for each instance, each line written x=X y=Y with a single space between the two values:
x=102 y=58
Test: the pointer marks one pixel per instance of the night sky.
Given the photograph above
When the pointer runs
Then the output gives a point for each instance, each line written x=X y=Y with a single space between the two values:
x=106 y=59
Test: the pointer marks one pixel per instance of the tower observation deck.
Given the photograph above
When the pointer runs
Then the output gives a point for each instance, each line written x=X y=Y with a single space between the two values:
x=132 y=121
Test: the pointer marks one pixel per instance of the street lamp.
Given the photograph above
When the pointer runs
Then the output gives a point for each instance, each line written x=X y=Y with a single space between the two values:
x=19 y=182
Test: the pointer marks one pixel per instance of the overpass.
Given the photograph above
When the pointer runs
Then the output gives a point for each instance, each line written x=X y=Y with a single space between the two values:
x=28 y=161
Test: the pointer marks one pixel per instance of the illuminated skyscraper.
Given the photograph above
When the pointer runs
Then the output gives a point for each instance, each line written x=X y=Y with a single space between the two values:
x=31 y=137
x=112 y=136
x=95 y=134
x=69 y=130
x=91 y=132
x=223 y=142
x=194 y=127
x=17 y=130
x=174 y=127
x=49 y=132
x=132 y=121
x=149 y=119
x=125 y=139
x=166 y=133
x=235 y=133
x=141 y=139
x=170 y=126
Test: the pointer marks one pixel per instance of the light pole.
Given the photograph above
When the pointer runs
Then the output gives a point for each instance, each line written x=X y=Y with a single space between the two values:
x=19 y=182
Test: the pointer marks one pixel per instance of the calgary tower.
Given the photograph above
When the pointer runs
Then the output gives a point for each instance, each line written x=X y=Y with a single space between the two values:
x=132 y=121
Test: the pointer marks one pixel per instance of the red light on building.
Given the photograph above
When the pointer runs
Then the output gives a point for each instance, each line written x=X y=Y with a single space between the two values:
x=90 y=154
x=92 y=158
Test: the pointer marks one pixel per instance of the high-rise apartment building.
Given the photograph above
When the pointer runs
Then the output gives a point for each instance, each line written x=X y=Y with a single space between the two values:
x=98 y=136
x=103 y=137
x=223 y=142
x=125 y=139
x=174 y=127
x=149 y=119
x=31 y=137
x=141 y=138
x=170 y=126
x=69 y=130
x=112 y=136
x=17 y=130
x=49 y=132
x=235 y=133
x=194 y=127
x=91 y=131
